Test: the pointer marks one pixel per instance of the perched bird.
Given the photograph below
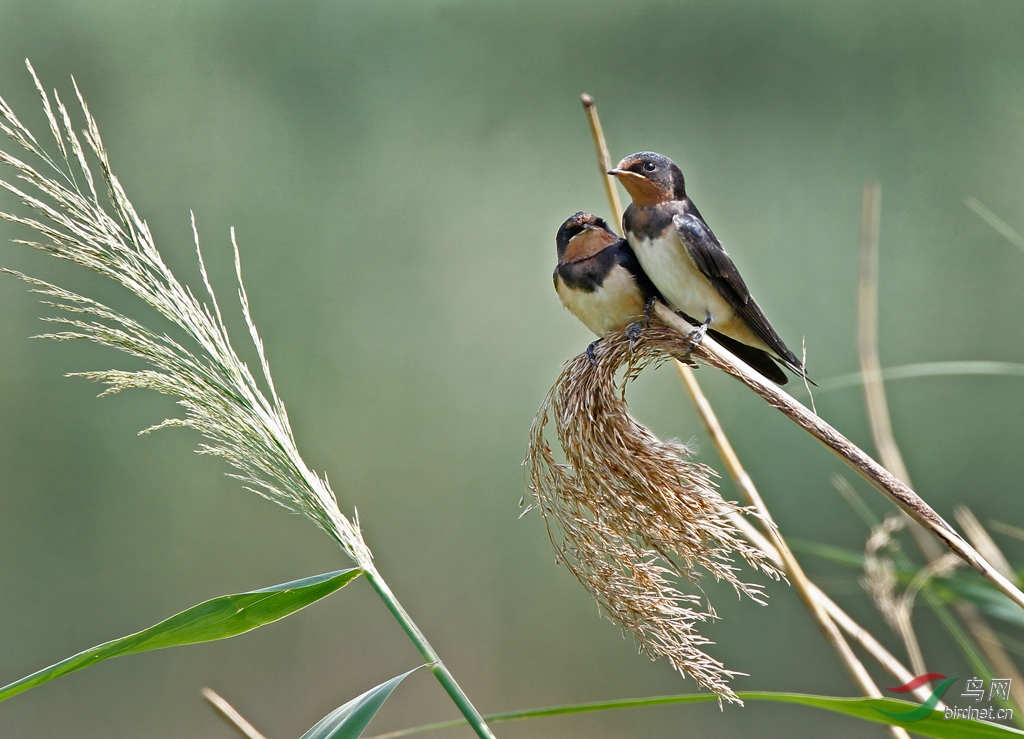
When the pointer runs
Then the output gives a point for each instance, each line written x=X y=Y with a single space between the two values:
x=600 y=281
x=690 y=268
x=598 y=277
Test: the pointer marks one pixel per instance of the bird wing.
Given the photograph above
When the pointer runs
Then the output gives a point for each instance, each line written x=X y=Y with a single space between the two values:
x=714 y=263
x=758 y=359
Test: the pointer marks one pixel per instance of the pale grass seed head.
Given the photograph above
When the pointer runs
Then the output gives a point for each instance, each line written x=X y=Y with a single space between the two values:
x=880 y=580
x=880 y=571
x=222 y=398
x=629 y=514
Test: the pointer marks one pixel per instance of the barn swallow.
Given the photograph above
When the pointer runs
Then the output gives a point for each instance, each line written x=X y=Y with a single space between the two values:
x=598 y=278
x=689 y=266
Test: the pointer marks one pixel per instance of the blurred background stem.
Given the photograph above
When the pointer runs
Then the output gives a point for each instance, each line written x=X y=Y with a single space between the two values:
x=231 y=715
x=998 y=662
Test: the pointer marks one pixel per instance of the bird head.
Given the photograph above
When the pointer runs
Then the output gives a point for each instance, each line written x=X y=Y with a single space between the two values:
x=650 y=178
x=581 y=236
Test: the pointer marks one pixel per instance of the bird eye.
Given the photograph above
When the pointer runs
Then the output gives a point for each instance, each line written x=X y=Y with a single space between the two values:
x=650 y=166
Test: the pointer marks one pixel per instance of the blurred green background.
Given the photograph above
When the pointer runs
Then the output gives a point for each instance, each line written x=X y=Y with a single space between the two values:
x=396 y=173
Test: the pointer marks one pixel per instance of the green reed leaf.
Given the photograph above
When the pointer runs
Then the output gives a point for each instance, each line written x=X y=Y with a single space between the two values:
x=349 y=720
x=219 y=618
x=867 y=709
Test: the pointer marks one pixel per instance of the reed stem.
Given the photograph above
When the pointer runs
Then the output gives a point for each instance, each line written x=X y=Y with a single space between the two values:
x=459 y=698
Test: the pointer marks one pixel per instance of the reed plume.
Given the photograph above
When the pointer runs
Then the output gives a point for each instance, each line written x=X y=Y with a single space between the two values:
x=98 y=228
x=631 y=515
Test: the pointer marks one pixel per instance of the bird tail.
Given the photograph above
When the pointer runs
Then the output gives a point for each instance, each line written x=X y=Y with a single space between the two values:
x=756 y=359
x=797 y=368
x=763 y=362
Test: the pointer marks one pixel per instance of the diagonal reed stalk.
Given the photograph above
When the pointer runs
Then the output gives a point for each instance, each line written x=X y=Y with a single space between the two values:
x=223 y=400
x=714 y=355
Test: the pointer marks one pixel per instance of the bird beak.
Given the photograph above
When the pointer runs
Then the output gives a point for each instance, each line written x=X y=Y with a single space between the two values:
x=640 y=188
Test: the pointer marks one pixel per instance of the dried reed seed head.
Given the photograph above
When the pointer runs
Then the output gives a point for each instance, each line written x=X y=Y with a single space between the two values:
x=879 y=579
x=630 y=514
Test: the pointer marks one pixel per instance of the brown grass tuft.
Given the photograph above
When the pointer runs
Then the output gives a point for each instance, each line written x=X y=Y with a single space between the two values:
x=629 y=514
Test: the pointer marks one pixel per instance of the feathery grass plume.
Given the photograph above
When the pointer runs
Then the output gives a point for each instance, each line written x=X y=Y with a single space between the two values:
x=629 y=514
x=222 y=398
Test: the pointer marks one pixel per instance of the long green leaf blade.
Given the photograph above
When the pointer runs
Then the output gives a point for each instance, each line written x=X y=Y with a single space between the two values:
x=219 y=618
x=868 y=709
x=349 y=720
x=978 y=591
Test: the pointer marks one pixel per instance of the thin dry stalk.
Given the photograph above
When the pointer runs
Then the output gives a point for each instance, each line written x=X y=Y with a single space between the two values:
x=1001 y=226
x=629 y=515
x=604 y=160
x=867 y=334
x=867 y=352
x=983 y=542
x=230 y=715
x=1007 y=529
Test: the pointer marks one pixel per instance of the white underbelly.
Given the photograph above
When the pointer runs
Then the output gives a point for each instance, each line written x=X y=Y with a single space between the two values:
x=612 y=307
x=675 y=274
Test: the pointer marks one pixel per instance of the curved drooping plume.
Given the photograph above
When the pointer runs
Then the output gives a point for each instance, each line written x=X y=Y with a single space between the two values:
x=631 y=515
